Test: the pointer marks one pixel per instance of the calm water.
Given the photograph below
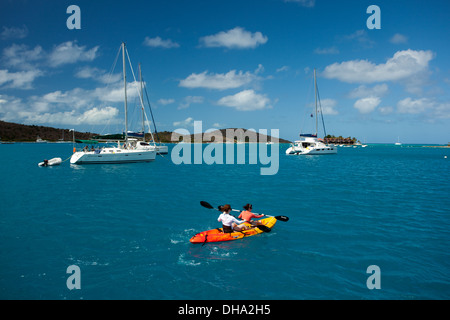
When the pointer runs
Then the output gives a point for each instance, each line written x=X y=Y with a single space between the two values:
x=128 y=226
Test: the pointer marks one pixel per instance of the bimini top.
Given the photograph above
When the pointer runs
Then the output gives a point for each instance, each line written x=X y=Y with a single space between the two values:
x=309 y=135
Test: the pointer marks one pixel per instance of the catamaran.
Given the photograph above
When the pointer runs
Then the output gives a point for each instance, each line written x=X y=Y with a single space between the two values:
x=309 y=143
x=131 y=150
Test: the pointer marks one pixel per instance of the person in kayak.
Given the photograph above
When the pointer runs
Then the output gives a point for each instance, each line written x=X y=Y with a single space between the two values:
x=247 y=215
x=229 y=223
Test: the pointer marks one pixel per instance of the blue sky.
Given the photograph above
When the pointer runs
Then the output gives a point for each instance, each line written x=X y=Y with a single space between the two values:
x=232 y=64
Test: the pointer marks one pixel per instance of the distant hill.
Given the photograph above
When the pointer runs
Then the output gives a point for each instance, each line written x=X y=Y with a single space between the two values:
x=234 y=135
x=19 y=132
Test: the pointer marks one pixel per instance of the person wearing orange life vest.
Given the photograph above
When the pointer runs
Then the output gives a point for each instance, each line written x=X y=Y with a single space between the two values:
x=247 y=215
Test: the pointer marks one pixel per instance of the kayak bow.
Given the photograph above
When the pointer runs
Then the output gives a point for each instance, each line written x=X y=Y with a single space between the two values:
x=217 y=235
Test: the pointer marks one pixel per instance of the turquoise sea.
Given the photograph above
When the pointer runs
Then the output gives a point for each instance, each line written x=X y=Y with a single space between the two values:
x=127 y=226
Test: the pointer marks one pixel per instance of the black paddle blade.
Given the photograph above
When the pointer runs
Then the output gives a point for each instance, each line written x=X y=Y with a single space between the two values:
x=264 y=228
x=206 y=205
x=282 y=218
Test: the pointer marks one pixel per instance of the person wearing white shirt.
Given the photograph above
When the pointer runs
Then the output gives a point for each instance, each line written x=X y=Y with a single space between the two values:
x=230 y=223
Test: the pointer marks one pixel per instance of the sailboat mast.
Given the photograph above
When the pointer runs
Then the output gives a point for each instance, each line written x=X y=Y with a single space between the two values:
x=315 y=88
x=142 y=101
x=125 y=88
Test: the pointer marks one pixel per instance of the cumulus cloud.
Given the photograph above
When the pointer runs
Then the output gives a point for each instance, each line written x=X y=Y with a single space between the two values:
x=21 y=57
x=94 y=116
x=401 y=66
x=98 y=75
x=328 y=106
x=398 y=39
x=428 y=109
x=190 y=100
x=412 y=106
x=237 y=38
x=18 y=80
x=77 y=106
x=14 y=33
x=184 y=123
x=364 y=91
x=70 y=52
x=220 y=81
x=157 y=42
x=246 y=100
x=164 y=102
x=367 y=105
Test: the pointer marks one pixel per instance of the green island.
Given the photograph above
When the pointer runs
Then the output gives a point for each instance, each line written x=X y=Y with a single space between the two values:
x=14 y=132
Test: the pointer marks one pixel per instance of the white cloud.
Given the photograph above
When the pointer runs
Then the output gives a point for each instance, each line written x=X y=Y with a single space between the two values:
x=14 y=33
x=283 y=68
x=363 y=91
x=22 y=58
x=189 y=100
x=184 y=123
x=428 y=109
x=75 y=107
x=386 y=110
x=398 y=39
x=304 y=3
x=165 y=101
x=360 y=37
x=367 y=105
x=442 y=110
x=98 y=75
x=69 y=52
x=94 y=116
x=328 y=106
x=246 y=100
x=411 y=106
x=220 y=81
x=401 y=66
x=330 y=50
x=115 y=92
x=237 y=38
x=18 y=80
x=157 y=42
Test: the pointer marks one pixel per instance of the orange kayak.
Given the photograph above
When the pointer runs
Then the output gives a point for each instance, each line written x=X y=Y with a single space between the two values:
x=217 y=235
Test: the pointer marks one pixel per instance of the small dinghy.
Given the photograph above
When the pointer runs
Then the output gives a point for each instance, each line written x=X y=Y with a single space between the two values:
x=51 y=162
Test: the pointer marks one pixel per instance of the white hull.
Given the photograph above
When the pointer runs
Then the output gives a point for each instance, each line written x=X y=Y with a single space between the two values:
x=112 y=155
x=311 y=146
x=51 y=162
x=311 y=151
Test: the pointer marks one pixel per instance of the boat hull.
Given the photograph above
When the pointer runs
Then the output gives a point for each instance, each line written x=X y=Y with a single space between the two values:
x=51 y=162
x=216 y=235
x=311 y=151
x=112 y=155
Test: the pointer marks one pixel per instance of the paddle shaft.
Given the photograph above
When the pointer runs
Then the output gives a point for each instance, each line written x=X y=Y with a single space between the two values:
x=281 y=218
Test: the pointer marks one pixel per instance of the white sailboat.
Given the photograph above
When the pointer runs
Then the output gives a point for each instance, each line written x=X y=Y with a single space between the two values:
x=130 y=151
x=398 y=143
x=310 y=144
